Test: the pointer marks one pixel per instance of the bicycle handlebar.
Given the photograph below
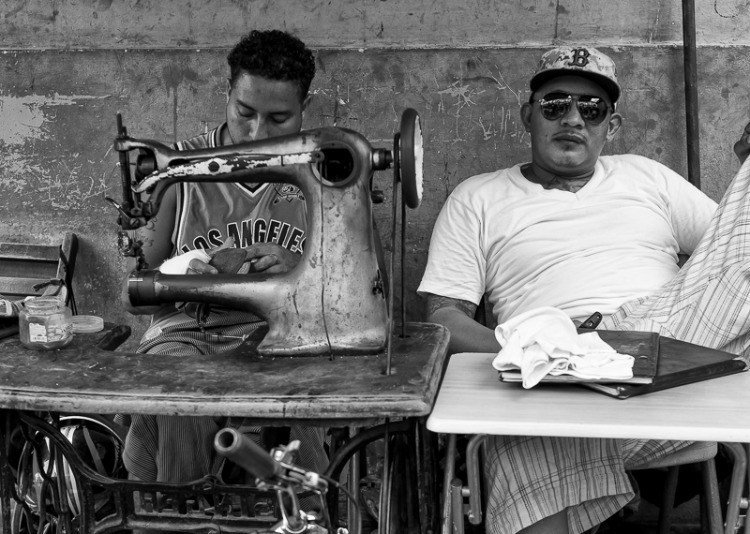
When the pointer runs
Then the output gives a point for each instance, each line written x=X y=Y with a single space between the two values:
x=286 y=479
x=241 y=450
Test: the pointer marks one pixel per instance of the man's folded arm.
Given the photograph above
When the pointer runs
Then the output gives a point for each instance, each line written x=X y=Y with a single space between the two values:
x=467 y=335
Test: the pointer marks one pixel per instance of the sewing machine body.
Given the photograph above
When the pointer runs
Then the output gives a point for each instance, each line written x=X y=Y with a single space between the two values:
x=333 y=301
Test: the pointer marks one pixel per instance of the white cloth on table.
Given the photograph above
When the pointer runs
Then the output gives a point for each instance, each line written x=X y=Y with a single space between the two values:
x=179 y=264
x=544 y=341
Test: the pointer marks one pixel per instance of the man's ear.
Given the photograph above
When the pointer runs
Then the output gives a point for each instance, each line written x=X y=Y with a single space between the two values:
x=228 y=89
x=306 y=101
x=526 y=116
x=615 y=121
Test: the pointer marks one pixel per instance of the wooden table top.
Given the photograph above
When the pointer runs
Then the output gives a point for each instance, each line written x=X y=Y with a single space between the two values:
x=85 y=378
x=472 y=400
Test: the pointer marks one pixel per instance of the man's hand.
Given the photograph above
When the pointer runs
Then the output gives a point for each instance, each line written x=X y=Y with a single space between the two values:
x=197 y=266
x=270 y=258
x=261 y=257
x=742 y=147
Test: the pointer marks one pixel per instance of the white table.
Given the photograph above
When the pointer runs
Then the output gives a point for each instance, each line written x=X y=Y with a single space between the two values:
x=472 y=400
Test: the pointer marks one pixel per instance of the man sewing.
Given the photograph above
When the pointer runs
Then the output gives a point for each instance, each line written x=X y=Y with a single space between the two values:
x=584 y=233
x=267 y=92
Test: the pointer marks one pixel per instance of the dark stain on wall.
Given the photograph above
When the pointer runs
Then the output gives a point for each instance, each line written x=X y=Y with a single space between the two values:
x=174 y=76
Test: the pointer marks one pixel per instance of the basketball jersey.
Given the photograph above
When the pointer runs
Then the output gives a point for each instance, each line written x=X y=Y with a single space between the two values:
x=209 y=213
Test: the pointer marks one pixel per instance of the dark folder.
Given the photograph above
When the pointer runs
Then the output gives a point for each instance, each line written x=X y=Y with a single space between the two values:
x=679 y=363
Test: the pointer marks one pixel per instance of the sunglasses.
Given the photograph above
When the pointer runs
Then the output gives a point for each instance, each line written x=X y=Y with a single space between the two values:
x=592 y=109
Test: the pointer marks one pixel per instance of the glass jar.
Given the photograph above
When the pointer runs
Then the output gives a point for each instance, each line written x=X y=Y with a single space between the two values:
x=45 y=323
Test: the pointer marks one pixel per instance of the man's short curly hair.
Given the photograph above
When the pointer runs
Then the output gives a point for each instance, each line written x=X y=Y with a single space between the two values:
x=275 y=55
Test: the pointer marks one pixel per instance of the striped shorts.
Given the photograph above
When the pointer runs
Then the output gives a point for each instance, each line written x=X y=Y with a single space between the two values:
x=707 y=303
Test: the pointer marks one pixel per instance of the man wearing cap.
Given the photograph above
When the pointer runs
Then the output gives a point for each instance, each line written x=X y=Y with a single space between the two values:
x=585 y=233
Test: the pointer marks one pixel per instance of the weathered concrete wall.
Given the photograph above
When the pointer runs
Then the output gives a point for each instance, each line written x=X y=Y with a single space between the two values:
x=144 y=24
x=67 y=67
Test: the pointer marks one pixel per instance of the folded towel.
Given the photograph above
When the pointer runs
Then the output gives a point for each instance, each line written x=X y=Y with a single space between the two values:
x=545 y=341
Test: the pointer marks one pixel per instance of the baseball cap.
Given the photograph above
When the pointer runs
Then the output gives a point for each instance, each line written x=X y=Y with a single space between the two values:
x=582 y=61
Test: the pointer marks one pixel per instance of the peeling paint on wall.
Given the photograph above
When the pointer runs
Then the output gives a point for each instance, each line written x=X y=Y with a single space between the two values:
x=36 y=170
x=22 y=118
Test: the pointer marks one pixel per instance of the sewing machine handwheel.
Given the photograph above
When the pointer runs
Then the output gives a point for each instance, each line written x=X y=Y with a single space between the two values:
x=410 y=158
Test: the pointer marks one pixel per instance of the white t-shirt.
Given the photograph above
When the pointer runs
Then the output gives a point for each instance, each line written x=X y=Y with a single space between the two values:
x=616 y=239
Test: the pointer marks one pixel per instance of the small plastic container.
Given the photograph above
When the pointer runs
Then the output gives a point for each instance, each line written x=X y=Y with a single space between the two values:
x=87 y=324
x=44 y=323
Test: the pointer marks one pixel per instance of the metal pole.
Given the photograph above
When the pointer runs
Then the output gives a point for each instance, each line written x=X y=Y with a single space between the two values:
x=691 y=92
x=403 y=268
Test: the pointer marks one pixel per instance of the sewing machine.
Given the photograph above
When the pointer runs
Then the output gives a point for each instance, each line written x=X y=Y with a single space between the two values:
x=334 y=300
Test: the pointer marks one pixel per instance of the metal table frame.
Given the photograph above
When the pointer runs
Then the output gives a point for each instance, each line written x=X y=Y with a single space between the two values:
x=343 y=391
x=711 y=410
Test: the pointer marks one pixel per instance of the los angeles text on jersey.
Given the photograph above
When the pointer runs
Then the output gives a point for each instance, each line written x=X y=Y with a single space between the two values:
x=253 y=231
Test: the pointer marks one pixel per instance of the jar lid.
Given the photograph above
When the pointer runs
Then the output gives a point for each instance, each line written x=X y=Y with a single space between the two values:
x=87 y=324
x=43 y=304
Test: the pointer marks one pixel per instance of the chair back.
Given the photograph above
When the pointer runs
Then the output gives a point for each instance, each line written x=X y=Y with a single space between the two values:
x=28 y=269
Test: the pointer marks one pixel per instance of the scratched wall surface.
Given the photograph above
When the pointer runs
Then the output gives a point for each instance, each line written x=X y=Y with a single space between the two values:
x=144 y=24
x=67 y=68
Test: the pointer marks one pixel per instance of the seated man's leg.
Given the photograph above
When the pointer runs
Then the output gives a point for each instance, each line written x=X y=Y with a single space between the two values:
x=180 y=449
x=170 y=449
x=167 y=449
x=533 y=478
x=707 y=302
x=312 y=454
